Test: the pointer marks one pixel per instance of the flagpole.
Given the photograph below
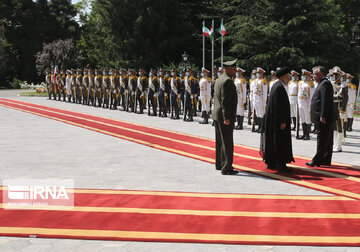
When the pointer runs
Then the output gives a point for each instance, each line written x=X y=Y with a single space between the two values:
x=222 y=45
x=203 y=46
x=212 y=50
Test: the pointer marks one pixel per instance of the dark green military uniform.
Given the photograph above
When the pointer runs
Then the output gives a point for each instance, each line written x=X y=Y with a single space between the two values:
x=225 y=99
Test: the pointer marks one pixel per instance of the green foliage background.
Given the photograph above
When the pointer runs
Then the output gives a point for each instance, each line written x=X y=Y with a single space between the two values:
x=153 y=33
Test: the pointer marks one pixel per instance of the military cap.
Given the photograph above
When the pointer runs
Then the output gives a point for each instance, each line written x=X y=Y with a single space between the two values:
x=304 y=71
x=204 y=70
x=240 y=69
x=260 y=70
x=230 y=63
x=293 y=72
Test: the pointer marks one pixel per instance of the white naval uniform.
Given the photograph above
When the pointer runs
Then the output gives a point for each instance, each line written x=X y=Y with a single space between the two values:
x=68 y=84
x=260 y=96
x=304 y=97
x=271 y=83
x=240 y=84
x=251 y=94
x=205 y=93
x=351 y=100
x=293 y=96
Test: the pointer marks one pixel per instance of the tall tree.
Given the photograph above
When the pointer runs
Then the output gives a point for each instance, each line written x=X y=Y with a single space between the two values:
x=142 y=33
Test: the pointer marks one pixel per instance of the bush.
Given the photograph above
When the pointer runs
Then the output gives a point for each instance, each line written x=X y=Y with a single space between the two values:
x=16 y=83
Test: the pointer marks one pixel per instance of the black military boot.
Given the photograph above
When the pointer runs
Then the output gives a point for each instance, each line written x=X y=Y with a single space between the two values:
x=206 y=121
x=238 y=122
x=307 y=132
x=203 y=115
x=259 y=121
x=304 y=128
x=351 y=120
x=294 y=122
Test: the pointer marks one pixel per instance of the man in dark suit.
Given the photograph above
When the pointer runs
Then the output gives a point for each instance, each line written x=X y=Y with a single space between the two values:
x=225 y=101
x=322 y=114
x=276 y=147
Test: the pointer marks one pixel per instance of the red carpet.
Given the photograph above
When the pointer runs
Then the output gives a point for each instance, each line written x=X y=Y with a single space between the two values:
x=239 y=219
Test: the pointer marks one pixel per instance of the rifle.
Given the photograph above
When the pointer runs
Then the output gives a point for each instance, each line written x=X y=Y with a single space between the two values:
x=249 y=110
x=297 y=120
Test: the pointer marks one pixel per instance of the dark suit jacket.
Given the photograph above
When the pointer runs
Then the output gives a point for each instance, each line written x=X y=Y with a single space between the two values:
x=322 y=102
x=225 y=99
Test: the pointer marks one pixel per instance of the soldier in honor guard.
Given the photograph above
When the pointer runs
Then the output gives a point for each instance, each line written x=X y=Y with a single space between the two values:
x=174 y=95
x=205 y=94
x=68 y=84
x=73 y=85
x=78 y=80
x=351 y=102
x=55 y=83
x=91 y=92
x=113 y=89
x=190 y=92
x=153 y=92
x=181 y=89
x=273 y=80
x=240 y=84
x=132 y=84
x=85 y=87
x=106 y=88
x=123 y=88
x=141 y=91
x=340 y=102
x=304 y=102
x=293 y=95
x=251 y=106
x=260 y=97
x=48 y=82
x=164 y=87
x=98 y=88
x=62 y=85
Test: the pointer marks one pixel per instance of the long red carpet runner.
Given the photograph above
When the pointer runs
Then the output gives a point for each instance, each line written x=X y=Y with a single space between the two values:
x=196 y=217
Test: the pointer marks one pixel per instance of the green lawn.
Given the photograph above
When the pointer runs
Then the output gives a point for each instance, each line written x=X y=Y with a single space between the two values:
x=33 y=94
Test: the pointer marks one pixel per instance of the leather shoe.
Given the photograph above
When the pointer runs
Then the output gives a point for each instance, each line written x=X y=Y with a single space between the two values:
x=271 y=167
x=231 y=172
x=312 y=164
x=284 y=168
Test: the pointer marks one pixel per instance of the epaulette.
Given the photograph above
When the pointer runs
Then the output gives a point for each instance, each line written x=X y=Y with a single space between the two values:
x=208 y=78
x=264 y=81
x=311 y=83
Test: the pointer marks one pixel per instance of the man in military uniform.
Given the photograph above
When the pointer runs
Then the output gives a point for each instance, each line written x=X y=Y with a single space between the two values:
x=174 y=95
x=91 y=92
x=68 y=84
x=98 y=88
x=205 y=94
x=132 y=84
x=78 y=81
x=153 y=92
x=141 y=91
x=351 y=102
x=251 y=106
x=293 y=95
x=304 y=102
x=114 y=87
x=273 y=80
x=106 y=88
x=225 y=100
x=164 y=89
x=190 y=92
x=260 y=97
x=123 y=88
x=240 y=84
x=73 y=85
x=85 y=87
x=340 y=102
x=48 y=82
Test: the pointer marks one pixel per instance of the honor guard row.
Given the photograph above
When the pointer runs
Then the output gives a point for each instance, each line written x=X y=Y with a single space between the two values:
x=184 y=93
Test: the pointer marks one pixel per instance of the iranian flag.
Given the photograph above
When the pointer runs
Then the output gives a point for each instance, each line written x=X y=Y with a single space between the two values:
x=211 y=34
x=205 y=31
x=55 y=71
x=222 y=29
